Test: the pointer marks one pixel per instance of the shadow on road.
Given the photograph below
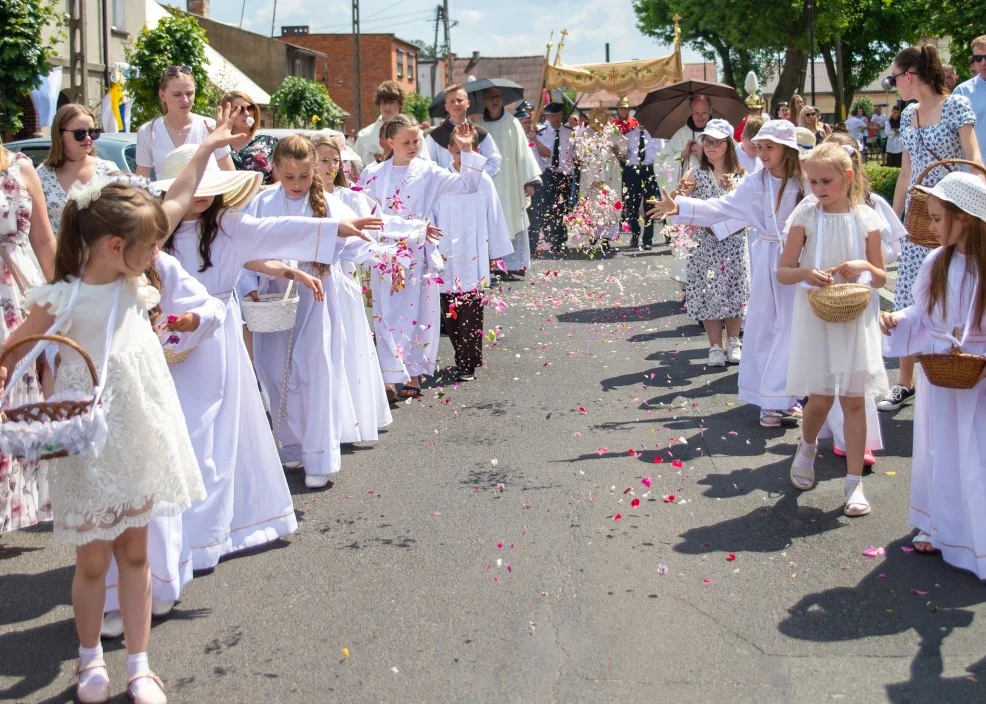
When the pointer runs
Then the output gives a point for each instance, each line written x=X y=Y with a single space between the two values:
x=885 y=603
x=622 y=314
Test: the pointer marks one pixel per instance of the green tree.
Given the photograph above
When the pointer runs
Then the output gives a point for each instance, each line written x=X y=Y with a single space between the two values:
x=301 y=103
x=416 y=105
x=176 y=41
x=960 y=22
x=862 y=102
x=24 y=55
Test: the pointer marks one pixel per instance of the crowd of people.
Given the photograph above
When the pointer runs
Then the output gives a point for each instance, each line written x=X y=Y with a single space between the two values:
x=195 y=419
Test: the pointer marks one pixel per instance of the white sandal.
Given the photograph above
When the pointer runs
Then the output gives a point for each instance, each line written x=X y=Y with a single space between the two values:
x=95 y=692
x=923 y=539
x=146 y=697
x=856 y=503
x=806 y=474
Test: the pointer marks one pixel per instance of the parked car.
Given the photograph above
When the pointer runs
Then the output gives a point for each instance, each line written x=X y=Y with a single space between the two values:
x=119 y=147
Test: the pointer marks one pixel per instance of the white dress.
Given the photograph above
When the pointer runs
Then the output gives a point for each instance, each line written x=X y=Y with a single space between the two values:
x=154 y=143
x=168 y=554
x=408 y=325
x=948 y=494
x=55 y=195
x=249 y=503
x=834 y=359
x=147 y=467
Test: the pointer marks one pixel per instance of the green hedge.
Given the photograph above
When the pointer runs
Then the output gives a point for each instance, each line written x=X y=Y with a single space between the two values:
x=883 y=179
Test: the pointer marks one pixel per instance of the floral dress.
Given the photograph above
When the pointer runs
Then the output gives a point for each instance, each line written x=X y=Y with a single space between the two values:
x=717 y=283
x=23 y=485
x=256 y=156
x=55 y=195
x=941 y=138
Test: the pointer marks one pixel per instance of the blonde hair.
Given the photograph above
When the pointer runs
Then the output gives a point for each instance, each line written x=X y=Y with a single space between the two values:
x=858 y=172
x=5 y=155
x=299 y=148
x=324 y=139
x=837 y=157
x=804 y=113
x=394 y=125
x=65 y=114
x=752 y=127
x=251 y=106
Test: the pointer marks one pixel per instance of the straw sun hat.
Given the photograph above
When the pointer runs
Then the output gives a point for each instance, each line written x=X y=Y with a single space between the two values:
x=236 y=187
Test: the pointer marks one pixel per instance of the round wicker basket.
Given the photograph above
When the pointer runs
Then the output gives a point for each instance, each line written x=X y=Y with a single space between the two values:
x=840 y=303
x=173 y=357
x=49 y=411
x=274 y=312
x=953 y=370
x=916 y=219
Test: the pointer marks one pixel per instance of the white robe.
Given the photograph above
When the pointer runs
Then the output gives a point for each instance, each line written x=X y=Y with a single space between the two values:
x=518 y=167
x=474 y=232
x=767 y=329
x=948 y=469
x=168 y=555
x=248 y=503
x=443 y=157
x=408 y=325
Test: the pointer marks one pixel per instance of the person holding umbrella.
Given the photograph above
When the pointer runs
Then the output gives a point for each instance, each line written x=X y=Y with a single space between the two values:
x=519 y=173
x=683 y=150
x=437 y=141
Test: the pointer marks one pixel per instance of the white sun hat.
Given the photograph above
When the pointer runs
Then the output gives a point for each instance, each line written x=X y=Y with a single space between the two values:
x=718 y=129
x=781 y=132
x=963 y=190
x=236 y=187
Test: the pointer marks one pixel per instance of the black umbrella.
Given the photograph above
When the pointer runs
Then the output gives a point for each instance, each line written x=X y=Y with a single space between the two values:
x=664 y=111
x=512 y=93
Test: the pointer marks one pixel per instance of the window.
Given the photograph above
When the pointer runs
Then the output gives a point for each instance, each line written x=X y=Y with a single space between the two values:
x=120 y=14
x=410 y=68
x=400 y=64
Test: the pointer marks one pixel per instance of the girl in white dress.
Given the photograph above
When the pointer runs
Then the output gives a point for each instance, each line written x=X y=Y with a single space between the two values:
x=833 y=238
x=249 y=503
x=948 y=497
x=764 y=201
x=147 y=468
x=177 y=126
x=409 y=188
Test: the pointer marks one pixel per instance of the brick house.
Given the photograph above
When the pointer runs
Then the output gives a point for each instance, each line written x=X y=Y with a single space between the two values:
x=383 y=57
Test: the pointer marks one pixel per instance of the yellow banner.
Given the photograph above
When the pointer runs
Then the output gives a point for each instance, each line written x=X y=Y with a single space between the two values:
x=618 y=78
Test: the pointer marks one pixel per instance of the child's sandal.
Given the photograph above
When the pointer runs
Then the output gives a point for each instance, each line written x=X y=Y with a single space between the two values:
x=856 y=503
x=95 y=692
x=146 y=697
x=923 y=539
x=803 y=477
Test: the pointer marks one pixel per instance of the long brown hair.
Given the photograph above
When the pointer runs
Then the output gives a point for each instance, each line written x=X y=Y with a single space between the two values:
x=924 y=62
x=154 y=279
x=298 y=148
x=251 y=107
x=320 y=139
x=121 y=210
x=862 y=181
x=209 y=224
x=975 y=265
x=730 y=164
x=792 y=171
x=65 y=114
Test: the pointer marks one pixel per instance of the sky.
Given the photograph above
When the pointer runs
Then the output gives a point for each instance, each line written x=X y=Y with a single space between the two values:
x=513 y=28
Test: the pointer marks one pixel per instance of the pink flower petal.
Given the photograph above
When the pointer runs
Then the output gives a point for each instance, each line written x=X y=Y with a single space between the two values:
x=618 y=517
x=646 y=482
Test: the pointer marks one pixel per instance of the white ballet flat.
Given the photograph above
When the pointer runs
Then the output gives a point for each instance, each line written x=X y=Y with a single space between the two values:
x=112 y=625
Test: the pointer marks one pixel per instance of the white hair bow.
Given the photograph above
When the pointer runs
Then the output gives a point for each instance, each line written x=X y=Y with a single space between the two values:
x=84 y=195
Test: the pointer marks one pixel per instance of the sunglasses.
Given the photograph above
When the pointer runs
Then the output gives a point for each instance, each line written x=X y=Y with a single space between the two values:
x=892 y=78
x=175 y=70
x=978 y=58
x=81 y=134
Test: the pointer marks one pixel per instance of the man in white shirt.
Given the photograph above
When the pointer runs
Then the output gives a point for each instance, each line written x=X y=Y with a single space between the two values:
x=683 y=150
x=879 y=121
x=389 y=101
x=639 y=179
x=975 y=88
x=437 y=141
x=557 y=156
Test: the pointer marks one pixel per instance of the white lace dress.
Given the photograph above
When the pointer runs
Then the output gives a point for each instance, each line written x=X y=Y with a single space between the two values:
x=147 y=467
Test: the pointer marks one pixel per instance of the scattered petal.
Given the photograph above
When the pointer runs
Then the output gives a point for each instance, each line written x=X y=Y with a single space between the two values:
x=676 y=464
x=635 y=503
x=345 y=652
x=669 y=498
x=618 y=517
x=919 y=592
x=730 y=557
x=646 y=482
x=662 y=570
x=906 y=548
x=873 y=551
x=582 y=410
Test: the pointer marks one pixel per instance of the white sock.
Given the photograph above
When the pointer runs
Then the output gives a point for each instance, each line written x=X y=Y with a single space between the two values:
x=805 y=459
x=852 y=481
x=91 y=677
x=137 y=665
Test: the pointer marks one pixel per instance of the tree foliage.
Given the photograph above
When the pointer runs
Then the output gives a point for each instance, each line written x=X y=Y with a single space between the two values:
x=301 y=103
x=177 y=40
x=24 y=55
x=960 y=22
x=416 y=105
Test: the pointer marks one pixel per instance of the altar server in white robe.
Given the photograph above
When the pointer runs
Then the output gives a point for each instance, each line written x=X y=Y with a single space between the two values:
x=518 y=176
x=948 y=491
x=402 y=185
x=475 y=232
x=188 y=316
x=438 y=139
x=763 y=200
x=248 y=502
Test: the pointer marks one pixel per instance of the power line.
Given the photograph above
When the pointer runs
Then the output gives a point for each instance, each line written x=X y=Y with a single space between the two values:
x=389 y=7
x=408 y=17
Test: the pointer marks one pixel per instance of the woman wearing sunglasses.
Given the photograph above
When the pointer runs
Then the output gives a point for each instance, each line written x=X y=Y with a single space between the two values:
x=811 y=120
x=251 y=151
x=177 y=126
x=938 y=126
x=72 y=159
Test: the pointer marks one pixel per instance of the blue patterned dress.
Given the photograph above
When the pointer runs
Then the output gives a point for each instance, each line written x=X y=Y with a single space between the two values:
x=941 y=138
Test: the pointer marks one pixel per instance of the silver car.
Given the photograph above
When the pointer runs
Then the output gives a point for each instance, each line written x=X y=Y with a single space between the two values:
x=119 y=147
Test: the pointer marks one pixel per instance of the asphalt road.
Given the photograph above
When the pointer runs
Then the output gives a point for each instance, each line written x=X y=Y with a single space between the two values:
x=473 y=554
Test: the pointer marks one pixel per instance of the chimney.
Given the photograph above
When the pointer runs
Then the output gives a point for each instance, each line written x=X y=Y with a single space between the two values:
x=199 y=7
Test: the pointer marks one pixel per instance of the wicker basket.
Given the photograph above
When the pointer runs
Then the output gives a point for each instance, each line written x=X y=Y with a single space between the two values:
x=174 y=357
x=50 y=411
x=274 y=312
x=916 y=220
x=953 y=370
x=840 y=303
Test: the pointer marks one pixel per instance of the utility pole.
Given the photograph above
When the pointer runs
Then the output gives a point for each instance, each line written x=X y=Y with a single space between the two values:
x=357 y=98
x=78 y=53
x=448 y=44
x=439 y=13
x=272 y=18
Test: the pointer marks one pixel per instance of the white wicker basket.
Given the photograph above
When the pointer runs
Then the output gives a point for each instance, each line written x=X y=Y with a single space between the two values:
x=274 y=312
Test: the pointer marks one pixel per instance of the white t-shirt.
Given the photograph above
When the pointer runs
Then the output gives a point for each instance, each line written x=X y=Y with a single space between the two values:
x=154 y=143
